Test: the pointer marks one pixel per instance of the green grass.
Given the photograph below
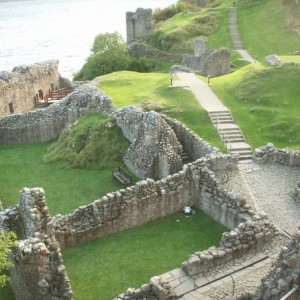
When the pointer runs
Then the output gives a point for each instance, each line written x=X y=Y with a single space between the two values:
x=264 y=102
x=66 y=188
x=262 y=27
x=152 y=91
x=106 y=267
x=93 y=142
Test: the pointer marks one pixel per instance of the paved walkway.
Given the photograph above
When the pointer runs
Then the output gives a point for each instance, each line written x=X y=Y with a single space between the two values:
x=238 y=45
x=232 y=278
x=229 y=132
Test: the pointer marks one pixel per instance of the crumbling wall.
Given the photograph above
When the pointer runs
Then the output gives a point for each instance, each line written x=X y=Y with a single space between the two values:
x=284 y=275
x=138 y=23
x=154 y=151
x=38 y=271
x=232 y=245
x=192 y=144
x=18 y=88
x=46 y=124
x=270 y=154
x=151 y=291
x=149 y=200
x=140 y=50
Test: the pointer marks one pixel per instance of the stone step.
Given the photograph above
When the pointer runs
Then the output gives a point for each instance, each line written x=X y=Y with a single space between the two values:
x=219 y=112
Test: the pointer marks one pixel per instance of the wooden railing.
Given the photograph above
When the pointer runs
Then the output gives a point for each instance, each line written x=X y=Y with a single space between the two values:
x=51 y=96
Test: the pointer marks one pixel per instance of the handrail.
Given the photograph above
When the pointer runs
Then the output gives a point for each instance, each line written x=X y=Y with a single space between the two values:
x=291 y=292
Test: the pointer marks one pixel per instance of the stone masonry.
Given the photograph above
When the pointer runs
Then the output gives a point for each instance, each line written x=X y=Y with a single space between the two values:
x=207 y=62
x=18 y=88
x=155 y=151
x=138 y=23
x=284 y=275
x=46 y=124
x=38 y=271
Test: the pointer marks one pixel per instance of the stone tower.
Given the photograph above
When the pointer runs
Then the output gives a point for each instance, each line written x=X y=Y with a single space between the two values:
x=139 y=23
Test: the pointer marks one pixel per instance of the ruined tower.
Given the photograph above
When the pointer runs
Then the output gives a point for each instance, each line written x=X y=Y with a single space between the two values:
x=138 y=23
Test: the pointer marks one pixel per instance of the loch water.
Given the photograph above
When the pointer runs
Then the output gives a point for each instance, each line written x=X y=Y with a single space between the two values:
x=38 y=30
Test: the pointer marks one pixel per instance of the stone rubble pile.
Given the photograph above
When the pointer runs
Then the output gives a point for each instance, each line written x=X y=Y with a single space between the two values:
x=273 y=60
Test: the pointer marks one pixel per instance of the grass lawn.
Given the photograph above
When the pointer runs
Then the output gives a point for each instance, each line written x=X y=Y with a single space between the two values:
x=106 y=267
x=262 y=27
x=66 y=188
x=264 y=102
x=152 y=91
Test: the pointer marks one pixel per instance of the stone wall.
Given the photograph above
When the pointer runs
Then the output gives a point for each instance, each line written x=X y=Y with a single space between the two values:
x=204 y=61
x=208 y=62
x=138 y=23
x=152 y=291
x=46 y=124
x=192 y=144
x=149 y=200
x=270 y=154
x=284 y=274
x=38 y=271
x=232 y=245
x=155 y=151
x=18 y=88
x=140 y=50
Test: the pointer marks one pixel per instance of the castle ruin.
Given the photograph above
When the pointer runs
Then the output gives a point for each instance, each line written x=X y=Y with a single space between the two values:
x=138 y=23
x=39 y=272
x=19 y=88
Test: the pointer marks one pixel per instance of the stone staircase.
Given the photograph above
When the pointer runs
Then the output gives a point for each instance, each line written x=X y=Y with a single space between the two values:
x=231 y=134
x=233 y=29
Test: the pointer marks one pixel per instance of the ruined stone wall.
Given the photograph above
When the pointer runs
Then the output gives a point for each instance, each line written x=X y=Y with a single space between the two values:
x=284 y=274
x=138 y=23
x=270 y=154
x=192 y=144
x=155 y=151
x=38 y=271
x=46 y=124
x=140 y=50
x=149 y=200
x=152 y=291
x=18 y=88
x=232 y=245
x=211 y=63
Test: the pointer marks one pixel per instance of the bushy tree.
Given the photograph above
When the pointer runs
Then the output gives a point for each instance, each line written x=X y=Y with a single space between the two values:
x=109 y=54
x=7 y=242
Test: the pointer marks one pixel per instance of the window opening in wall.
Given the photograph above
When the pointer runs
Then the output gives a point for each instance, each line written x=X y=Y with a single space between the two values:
x=11 y=107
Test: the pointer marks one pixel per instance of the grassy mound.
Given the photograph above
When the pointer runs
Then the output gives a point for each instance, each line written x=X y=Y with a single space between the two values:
x=264 y=102
x=93 y=141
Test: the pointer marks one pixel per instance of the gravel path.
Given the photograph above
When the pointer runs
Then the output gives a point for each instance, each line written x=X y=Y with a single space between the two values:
x=269 y=188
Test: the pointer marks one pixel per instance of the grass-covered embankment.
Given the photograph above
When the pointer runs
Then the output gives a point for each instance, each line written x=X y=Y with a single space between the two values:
x=264 y=102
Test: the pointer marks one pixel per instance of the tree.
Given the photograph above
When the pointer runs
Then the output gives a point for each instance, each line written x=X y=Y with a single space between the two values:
x=109 y=54
x=7 y=242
